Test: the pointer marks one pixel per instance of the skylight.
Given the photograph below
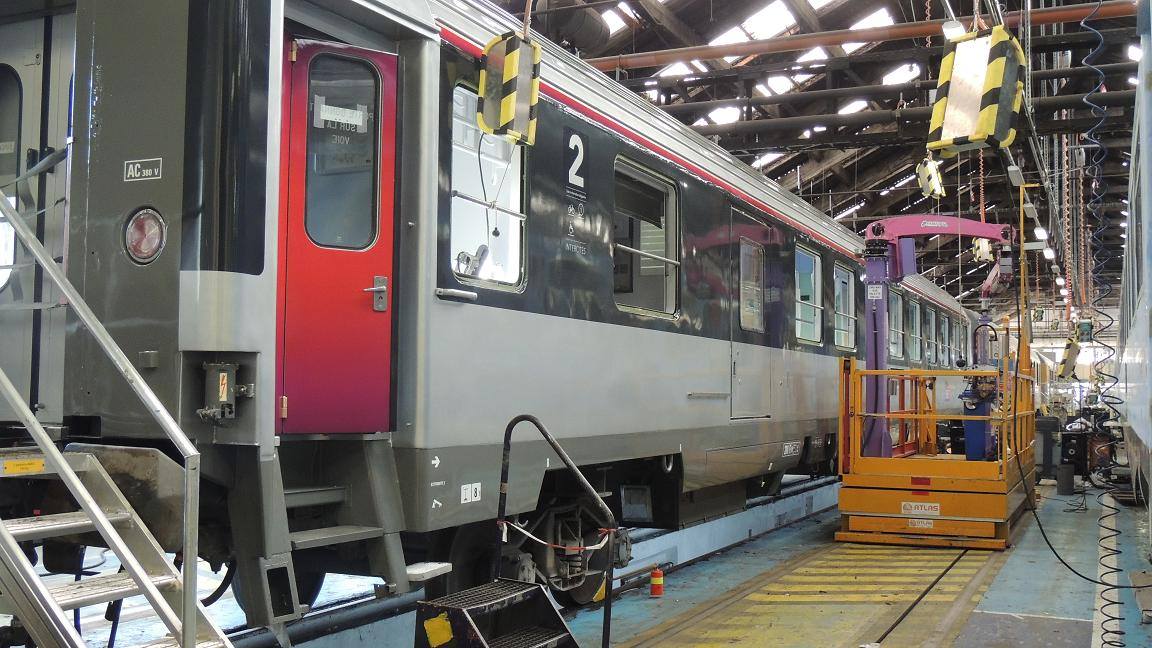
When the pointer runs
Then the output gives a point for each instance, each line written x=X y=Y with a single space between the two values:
x=902 y=74
x=676 y=69
x=725 y=115
x=613 y=20
x=854 y=106
x=820 y=4
x=814 y=54
x=766 y=159
x=779 y=84
x=878 y=18
x=769 y=21
x=848 y=212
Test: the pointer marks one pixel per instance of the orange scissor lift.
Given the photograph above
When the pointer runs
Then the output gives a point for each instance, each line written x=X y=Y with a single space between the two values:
x=899 y=487
x=920 y=496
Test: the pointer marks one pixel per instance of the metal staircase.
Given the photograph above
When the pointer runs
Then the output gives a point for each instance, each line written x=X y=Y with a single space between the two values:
x=102 y=508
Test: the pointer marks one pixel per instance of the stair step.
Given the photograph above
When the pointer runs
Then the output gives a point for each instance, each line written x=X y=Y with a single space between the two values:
x=333 y=535
x=101 y=589
x=532 y=637
x=489 y=597
x=422 y=571
x=314 y=496
x=56 y=525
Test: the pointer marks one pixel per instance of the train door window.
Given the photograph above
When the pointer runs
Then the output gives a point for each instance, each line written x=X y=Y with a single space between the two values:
x=959 y=341
x=929 y=336
x=752 y=260
x=646 y=241
x=945 y=340
x=809 y=298
x=487 y=226
x=341 y=194
x=915 y=340
x=845 y=303
x=11 y=104
x=895 y=325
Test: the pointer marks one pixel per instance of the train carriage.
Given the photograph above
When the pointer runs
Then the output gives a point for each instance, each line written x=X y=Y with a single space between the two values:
x=343 y=289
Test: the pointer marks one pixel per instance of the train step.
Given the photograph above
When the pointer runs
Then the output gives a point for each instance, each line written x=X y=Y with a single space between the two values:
x=314 y=496
x=502 y=614
x=326 y=536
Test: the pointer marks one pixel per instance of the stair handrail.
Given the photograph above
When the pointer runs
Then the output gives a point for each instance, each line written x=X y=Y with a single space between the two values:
x=502 y=509
x=184 y=626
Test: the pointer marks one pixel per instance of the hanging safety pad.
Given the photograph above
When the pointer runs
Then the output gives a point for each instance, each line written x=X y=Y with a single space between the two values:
x=509 y=88
x=979 y=95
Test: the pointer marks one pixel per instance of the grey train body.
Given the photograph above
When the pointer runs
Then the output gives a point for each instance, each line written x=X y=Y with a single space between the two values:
x=651 y=372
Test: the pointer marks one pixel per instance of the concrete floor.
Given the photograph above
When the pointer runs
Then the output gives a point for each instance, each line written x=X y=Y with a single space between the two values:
x=798 y=588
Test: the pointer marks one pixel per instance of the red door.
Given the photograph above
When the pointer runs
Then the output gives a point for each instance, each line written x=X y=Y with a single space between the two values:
x=336 y=263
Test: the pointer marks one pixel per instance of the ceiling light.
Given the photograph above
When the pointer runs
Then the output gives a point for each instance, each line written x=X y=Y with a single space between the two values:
x=1015 y=175
x=1123 y=223
x=953 y=29
x=1123 y=212
x=1040 y=233
x=1135 y=53
x=1123 y=236
x=1133 y=81
x=1063 y=292
x=1049 y=253
x=1059 y=281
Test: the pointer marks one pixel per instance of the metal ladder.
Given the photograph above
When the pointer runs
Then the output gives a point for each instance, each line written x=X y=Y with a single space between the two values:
x=146 y=570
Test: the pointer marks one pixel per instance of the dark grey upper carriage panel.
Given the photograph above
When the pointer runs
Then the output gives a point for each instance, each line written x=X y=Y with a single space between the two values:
x=480 y=21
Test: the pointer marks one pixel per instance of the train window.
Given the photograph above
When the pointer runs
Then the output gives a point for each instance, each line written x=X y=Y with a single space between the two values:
x=945 y=340
x=895 y=325
x=343 y=147
x=929 y=336
x=11 y=103
x=914 y=337
x=486 y=241
x=751 y=285
x=845 y=303
x=809 y=299
x=646 y=242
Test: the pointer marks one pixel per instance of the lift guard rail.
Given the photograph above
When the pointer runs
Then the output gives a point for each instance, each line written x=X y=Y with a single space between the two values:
x=184 y=625
x=604 y=510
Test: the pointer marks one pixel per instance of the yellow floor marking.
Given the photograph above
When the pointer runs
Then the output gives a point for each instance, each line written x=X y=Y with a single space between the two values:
x=883 y=571
x=896 y=563
x=857 y=587
x=876 y=597
x=925 y=579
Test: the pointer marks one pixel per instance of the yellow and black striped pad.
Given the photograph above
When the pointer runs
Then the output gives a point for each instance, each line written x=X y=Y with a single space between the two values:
x=1003 y=94
x=509 y=88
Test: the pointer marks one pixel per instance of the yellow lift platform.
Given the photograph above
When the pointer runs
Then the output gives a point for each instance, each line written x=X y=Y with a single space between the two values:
x=919 y=496
x=899 y=487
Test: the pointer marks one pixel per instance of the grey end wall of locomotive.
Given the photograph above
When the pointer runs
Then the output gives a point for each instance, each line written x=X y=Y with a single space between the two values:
x=33 y=355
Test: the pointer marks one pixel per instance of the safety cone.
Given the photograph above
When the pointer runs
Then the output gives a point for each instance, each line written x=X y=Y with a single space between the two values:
x=656 y=583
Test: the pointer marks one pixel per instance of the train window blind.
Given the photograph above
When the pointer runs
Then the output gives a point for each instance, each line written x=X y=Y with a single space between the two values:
x=752 y=260
x=895 y=325
x=809 y=298
x=646 y=241
x=845 y=297
x=343 y=151
x=929 y=336
x=487 y=226
x=915 y=340
x=11 y=105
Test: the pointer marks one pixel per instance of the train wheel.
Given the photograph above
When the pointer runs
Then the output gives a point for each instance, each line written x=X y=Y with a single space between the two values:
x=469 y=549
x=589 y=590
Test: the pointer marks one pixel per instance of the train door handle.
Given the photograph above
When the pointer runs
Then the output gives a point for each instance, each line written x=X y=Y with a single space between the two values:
x=379 y=292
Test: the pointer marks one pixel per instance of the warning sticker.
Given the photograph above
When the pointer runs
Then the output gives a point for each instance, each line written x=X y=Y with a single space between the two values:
x=22 y=466
x=875 y=292
x=222 y=396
